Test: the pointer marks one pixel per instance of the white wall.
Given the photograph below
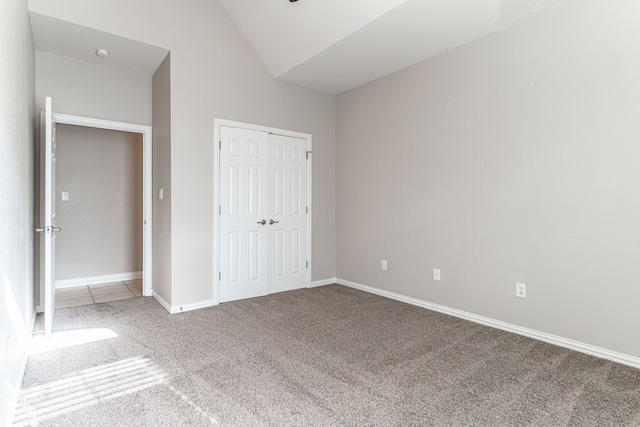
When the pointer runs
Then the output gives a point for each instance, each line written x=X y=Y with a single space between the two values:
x=512 y=159
x=92 y=90
x=16 y=197
x=214 y=73
x=101 y=170
x=162 y=180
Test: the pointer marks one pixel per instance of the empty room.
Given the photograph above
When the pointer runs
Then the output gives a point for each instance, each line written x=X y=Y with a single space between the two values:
x=320 y=213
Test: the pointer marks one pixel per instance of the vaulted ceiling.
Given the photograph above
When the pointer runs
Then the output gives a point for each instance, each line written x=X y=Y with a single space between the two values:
x=328 y=45
x=336 y=45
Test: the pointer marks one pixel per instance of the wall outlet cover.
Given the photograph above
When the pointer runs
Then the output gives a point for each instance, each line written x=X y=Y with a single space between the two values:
x=521 y=290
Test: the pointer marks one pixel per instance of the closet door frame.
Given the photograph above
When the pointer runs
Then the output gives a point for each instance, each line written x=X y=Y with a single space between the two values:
x=218 y=123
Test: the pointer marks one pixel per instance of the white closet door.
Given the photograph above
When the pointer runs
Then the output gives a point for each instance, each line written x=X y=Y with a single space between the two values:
x=244 y=218
x=288 y=230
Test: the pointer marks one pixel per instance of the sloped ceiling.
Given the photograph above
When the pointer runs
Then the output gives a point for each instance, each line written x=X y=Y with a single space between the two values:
x=333 y=45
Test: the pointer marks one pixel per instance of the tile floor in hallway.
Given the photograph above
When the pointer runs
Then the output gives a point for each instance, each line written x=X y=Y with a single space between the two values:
x=94 y=294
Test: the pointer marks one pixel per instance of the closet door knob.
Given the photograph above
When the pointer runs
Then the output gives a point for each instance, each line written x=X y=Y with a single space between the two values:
x=263 y=222
x=273 y=222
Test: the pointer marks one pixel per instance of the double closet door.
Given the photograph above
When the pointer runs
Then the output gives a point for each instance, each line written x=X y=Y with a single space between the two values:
x=264 y=230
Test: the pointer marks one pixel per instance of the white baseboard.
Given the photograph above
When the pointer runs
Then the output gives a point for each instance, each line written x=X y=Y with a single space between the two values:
x=581 y=347
x=173 y=309
x=162 y=301
x=323 y=282
x=94 y=280
x=194 y=306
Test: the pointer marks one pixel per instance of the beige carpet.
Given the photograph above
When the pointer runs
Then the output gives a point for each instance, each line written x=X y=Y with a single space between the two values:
x=328 y=356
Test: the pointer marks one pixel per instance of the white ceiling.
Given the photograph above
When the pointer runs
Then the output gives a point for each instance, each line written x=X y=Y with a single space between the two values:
x=333 y=45
x=328 y=45
x=75 y=41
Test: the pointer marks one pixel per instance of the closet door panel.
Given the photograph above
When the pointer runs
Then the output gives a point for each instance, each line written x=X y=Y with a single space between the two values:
x=244 y=204
x=288 y=232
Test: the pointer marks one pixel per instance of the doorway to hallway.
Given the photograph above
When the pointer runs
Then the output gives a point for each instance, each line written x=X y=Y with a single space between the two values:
x=98 y=206
x=47 y=281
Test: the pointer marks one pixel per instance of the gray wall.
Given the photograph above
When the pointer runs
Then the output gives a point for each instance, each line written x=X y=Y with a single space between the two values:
x=16 y=196
x=513 y=158
x=102 y=220
x=162 y=179
x=92 y=90
x=214 y=73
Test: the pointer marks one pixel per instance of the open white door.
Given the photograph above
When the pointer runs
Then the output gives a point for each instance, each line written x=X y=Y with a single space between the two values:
x=48 y=214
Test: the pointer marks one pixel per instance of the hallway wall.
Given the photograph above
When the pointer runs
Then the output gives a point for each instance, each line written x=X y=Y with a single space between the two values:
x=101 y=171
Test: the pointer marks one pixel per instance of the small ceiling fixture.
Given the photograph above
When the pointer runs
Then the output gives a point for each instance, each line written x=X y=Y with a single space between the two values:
x=102 y=53
x=293 y=1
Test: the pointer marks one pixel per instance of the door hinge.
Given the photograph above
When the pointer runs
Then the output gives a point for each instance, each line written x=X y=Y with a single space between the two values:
x=308 y=152
x=220 y=145
x=219 y=275
x=307 y=209
x=307 y=264
x=220 y=210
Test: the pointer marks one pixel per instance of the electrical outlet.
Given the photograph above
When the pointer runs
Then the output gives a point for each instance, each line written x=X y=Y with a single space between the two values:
x=521 y=290
x=384 y=265
x=436 y=274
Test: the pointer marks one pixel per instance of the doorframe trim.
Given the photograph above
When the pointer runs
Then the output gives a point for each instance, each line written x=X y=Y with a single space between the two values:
x=147 y=183
x=217 y=124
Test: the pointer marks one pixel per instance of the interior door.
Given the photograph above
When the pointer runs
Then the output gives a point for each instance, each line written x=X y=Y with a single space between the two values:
x=263 y=242
x=243 y=213
x=48 y=214
x=288 y=232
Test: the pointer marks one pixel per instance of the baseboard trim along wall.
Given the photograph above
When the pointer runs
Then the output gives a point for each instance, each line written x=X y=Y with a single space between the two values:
x=174 y=309
x=487 y=321
x=323 y=282
x=162 y=301
x=94 y=280
x=210 y=303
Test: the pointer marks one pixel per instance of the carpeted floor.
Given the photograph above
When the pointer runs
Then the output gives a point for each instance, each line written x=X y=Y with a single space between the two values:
x=327 y=356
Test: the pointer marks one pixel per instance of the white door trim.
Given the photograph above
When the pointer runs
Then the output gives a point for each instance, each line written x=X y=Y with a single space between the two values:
x=217 y=124
x=147 y=189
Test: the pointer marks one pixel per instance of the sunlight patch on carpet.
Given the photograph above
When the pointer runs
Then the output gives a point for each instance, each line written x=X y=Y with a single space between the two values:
x=86 y=388
x=58 y=340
